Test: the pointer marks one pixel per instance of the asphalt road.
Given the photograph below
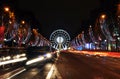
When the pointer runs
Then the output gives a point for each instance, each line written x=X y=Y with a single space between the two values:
x=74 y=66
x=83 y=66
x=46 y=71
x=40 y=71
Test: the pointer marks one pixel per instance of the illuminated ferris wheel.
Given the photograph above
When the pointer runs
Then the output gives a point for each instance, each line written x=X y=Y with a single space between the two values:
x=59 y=39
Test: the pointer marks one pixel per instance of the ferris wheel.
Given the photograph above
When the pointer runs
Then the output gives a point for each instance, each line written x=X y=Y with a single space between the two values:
x=60 y=39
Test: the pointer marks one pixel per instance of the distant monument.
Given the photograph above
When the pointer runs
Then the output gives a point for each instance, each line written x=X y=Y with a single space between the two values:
x=60 y=39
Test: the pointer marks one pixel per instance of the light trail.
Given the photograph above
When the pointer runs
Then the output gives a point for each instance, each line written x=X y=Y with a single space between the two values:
x=100 y=53
x=35 y=60
x=13 y=61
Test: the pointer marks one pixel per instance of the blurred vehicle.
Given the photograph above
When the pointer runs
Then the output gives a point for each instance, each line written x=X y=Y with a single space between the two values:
x=40 y=55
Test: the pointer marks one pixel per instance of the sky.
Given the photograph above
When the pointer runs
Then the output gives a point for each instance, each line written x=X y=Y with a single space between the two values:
x=68 y=15
x=59 y=14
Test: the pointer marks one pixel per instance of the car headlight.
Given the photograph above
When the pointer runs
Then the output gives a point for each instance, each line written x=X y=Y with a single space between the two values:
x=48 y=55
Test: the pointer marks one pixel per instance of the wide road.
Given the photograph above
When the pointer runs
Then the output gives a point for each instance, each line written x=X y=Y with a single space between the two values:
x=44 y=71
x=71 y=65
x=41 y=71
x=84 y=66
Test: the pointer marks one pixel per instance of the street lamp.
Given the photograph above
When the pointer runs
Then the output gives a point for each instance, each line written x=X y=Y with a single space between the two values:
x=103 y=16
x=23 y=22
x=2 y=28
x=6 y=9
x=102 y=25
x=11 y=14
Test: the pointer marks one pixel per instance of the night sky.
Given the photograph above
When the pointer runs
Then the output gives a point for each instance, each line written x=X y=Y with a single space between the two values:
x=70 y=15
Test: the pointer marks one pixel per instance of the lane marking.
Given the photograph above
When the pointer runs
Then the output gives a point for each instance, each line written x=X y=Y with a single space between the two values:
x=50 y=72
x=16 y=74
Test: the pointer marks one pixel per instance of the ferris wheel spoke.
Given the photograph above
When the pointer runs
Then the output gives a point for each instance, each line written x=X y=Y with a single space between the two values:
x=59 y=39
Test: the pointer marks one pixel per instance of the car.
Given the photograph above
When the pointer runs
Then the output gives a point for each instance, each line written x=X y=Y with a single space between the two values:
x=39 y=55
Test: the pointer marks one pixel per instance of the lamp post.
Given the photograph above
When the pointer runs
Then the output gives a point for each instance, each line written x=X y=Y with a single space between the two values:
x=9 y=21
x=2 y=28
x=102 y=21
x=11 y=14
x=5 y=9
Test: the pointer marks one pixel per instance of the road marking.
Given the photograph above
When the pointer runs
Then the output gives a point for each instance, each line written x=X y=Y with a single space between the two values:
x=16 y=74
x=50 y=72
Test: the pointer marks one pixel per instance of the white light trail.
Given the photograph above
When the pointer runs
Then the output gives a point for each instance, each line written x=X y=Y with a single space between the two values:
x=12 y=61
x=34 y=60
